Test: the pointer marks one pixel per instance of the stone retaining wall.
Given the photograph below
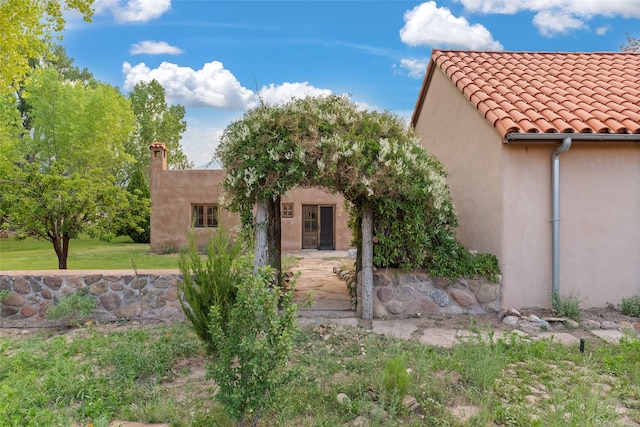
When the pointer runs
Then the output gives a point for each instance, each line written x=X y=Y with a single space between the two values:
x=400 y=294
x=119 y=296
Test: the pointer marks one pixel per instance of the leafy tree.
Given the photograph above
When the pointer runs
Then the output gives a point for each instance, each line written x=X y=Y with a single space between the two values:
x=156 y=122
x=61 y=178
x=57 y=207
x=27 y=28
x=632 y=45
x=75 y=126
x=139 y=199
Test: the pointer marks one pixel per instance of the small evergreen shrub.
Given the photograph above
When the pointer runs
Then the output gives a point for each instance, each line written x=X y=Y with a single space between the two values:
x=631 y=306
x=566 y=306
x=211 y=282
x=74 y=309
x=254 y=342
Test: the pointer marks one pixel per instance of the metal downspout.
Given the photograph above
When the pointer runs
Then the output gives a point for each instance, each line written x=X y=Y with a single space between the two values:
x=555 y=215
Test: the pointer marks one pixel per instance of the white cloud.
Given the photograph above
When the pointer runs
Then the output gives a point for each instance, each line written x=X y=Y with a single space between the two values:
x=430 y=25
x=602 y=30
x=211 y=86
x=416 y=67
x=557 y=16
x=152 y=47
x=276 y=94
x=133 y=10
x=551 y=22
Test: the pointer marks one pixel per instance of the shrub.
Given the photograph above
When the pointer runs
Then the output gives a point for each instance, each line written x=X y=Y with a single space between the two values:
x=74 y=309
x=566 y=306
x=3 y=294
x=211 y=282
x=395 y=380
x=631 y=306
x=253 y=344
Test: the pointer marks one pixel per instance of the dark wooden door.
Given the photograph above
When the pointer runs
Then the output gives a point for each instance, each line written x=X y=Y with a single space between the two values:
x=326 y=228
x=309 y=226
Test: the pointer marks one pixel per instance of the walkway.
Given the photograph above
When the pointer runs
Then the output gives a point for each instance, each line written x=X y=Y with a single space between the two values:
x=332 y=304
x=329 y=293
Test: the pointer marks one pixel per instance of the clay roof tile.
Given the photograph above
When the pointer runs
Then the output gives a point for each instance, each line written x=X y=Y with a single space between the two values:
x=549 y=92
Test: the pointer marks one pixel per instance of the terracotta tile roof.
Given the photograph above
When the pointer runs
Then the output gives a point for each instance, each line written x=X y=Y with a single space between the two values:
x=532 y=92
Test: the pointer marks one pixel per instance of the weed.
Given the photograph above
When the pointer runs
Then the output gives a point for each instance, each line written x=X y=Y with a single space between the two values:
x=395 y=381
x=167 y=250
x=566 y=306
x=630 y=306
x=72 y=310
x=3 y=294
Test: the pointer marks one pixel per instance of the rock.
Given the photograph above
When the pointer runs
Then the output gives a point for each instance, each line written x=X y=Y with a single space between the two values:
x=379 y=311
x=352 y=253
x=624 y=325
x=395 y=308
x=21 y=285
x=384 y=294
x=28 y=311
x=411 y=403
x=343 y=399
x=440 y=297
x=405 y=293
x=138 y=283
x=129 y=311
x=590 y=324
x=571 y=324
x=74 y=281
x=487 y=292
x=130 y=296
x=154 y=299
x=46 y=293
x=117 y=287
x=98 y=288
x=512 y=312
x=54 y=282
x=476 y=309
x=13 y=300
x=607 y=324
x=421 y=304
x=544 y=325
x=92 y=278
x=172 y=294
x=510 y=320
x=110 y=301
x=533 y=318
x=493 y=307
x=462 y=297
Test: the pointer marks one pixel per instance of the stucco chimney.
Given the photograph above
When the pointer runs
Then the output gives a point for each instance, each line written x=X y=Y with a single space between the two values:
x=158 y=156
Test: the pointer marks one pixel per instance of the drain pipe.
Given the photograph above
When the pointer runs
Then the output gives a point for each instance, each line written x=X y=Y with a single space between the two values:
x=555 y=215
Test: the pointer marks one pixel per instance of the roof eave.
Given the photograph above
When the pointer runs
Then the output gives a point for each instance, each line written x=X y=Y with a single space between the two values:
x=522 y=138
x=423 y=91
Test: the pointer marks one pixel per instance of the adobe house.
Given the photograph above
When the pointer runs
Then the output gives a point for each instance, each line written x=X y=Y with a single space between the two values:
x=312 y=218
x=543 y=163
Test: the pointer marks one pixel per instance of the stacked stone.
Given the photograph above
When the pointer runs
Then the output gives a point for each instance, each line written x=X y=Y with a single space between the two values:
x=118 y=296
x=399 y=294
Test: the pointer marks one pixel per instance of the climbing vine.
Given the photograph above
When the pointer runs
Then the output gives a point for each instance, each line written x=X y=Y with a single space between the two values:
x=372 y=158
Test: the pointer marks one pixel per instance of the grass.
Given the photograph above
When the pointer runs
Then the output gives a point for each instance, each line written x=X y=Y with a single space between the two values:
x=90 y=254
x=84 y=254
x=101 y=373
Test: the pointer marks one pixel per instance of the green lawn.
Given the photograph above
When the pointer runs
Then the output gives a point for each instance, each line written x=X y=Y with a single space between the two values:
x=84 y=254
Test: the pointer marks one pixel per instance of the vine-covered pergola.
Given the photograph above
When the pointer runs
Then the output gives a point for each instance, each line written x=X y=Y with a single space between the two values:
x=395 y=190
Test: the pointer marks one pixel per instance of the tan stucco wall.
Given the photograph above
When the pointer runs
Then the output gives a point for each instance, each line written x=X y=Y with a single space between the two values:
x=292 y=227
x=503 y=197
x=599 y=228
x=469 y=149
x=172 y=194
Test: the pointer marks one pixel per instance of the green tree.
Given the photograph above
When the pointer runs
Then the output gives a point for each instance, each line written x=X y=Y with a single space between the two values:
x=61 y=178
x=156 y=122
x=28 y=28
x=75 y=126
x=57 y=207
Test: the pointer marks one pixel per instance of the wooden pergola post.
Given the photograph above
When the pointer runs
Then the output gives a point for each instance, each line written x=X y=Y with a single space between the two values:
x=367 y=264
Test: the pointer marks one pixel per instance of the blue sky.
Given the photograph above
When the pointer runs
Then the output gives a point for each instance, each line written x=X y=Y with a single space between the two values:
x=218 y=57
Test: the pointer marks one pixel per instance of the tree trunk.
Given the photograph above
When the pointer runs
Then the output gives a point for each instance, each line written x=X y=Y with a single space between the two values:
x=274 y=237
x=262 y=249
x=367 y=264
x=61 y=246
